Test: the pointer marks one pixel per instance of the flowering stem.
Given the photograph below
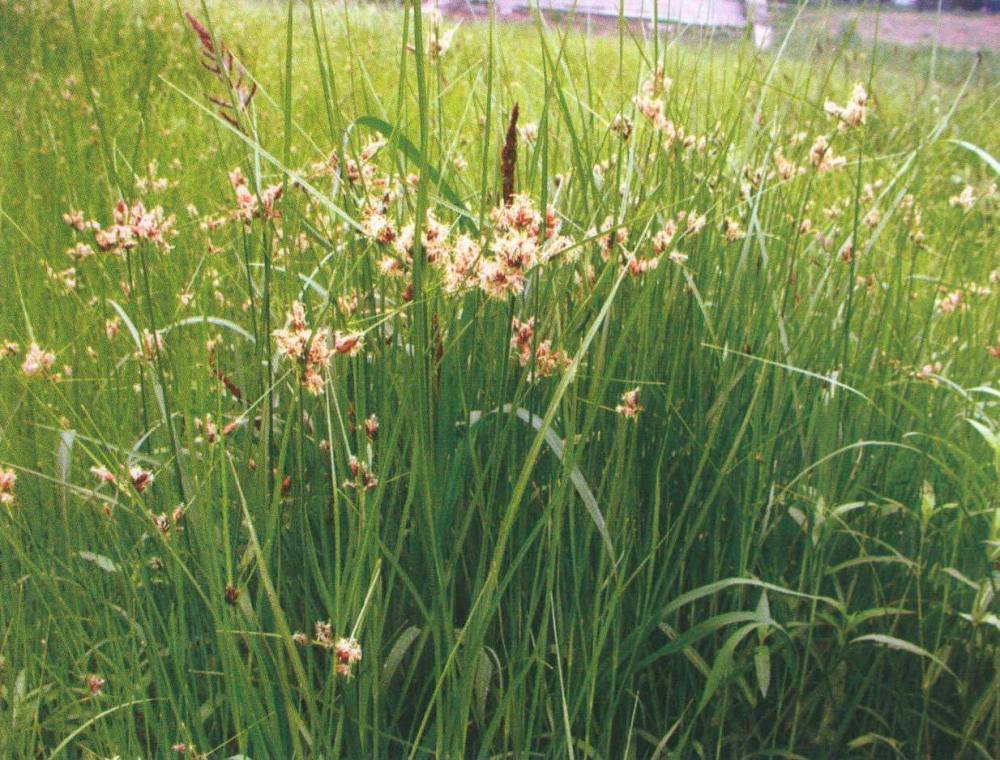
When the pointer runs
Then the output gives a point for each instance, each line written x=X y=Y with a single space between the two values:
x=158 y=363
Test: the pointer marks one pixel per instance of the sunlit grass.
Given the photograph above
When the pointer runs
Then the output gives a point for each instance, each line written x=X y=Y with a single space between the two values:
x=689 y=448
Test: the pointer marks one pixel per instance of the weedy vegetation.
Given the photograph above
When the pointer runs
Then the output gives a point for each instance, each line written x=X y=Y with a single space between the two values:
x=375 y=384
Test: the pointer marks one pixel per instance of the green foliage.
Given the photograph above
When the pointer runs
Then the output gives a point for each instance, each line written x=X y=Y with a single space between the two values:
x=784 y=544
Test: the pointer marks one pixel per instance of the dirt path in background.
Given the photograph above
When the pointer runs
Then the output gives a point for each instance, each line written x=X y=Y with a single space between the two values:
x=962 y=31
x=957 y=31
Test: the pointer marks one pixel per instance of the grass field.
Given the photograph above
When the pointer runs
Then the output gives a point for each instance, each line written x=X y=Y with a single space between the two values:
x=344 y=413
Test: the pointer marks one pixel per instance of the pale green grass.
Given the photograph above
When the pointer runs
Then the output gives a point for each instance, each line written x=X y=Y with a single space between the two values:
x=791 y=551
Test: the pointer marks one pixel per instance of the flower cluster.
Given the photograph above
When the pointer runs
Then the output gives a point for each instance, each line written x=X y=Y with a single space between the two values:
x=166 y=526
x=103 y=474
x=650 y=101
x=637 y=266
x=95 y=685
x=609 y=236
x=311 y=349
x=152 y=345
x=821 y=156
x=622 y=126
x=731 y=230
x=141 y=478
x=540 y=355
x=138 y=477
x=8 y=479
x=183 y=748
x=131 y=226
x=928 y=371
x=629 y=407
x=37 y=361
x=208 y=428
x=515 y=248
x=370 y=424
x=460 y=268
x=785 y=169
x=361 y=171
x=64 y=278
x=363 y=478
x=966 y=199
x=346 y=650
x=951 y=301
x=438 y=41
x=248 y=205
x=152 y=181
x=663 y=237
x=519 y=240
x=854 y=113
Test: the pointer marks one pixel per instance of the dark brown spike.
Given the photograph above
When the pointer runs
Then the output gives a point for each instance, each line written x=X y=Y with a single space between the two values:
x=508 y=157
x=225 y=379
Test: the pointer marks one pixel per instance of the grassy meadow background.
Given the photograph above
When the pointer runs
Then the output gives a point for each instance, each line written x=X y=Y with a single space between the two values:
x=784 y=545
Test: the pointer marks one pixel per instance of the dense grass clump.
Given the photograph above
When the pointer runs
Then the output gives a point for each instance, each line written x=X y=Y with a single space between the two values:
x=372 y=387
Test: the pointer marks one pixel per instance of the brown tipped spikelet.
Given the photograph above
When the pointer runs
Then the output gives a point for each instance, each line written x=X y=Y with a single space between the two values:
x=229 y=71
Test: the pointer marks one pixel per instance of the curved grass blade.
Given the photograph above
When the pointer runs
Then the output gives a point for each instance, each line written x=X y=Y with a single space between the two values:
x=558 y=448
x=989 y=160
x=905 y=646
x=217 y=321
x=711 y=588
